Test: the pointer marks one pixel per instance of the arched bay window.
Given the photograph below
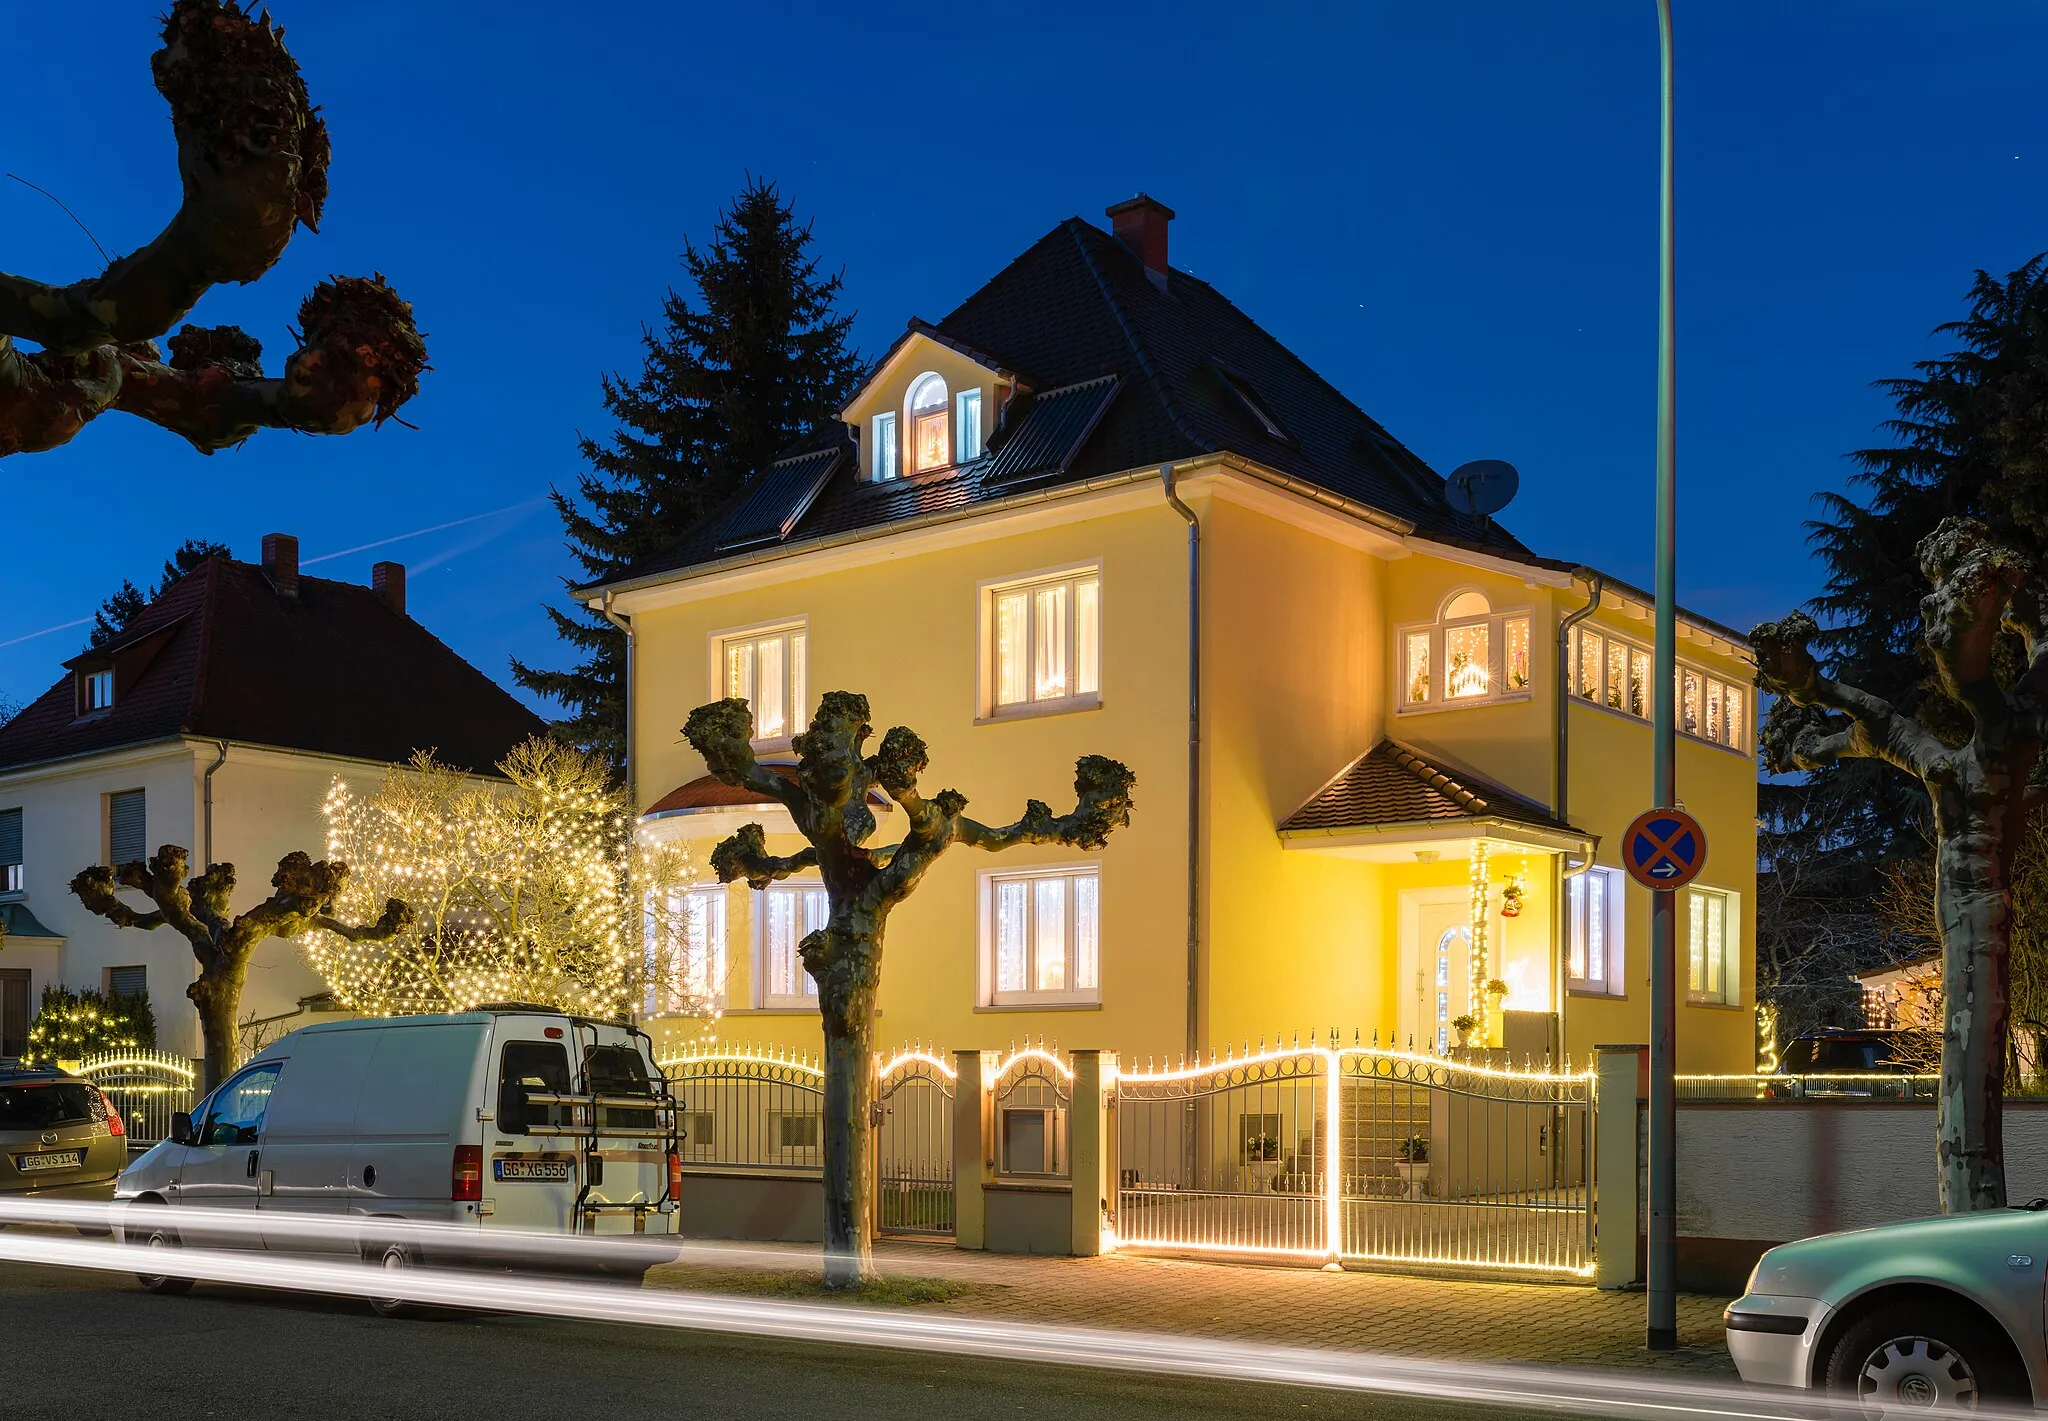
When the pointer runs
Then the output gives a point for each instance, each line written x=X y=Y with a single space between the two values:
x=931 y=444
x=1469 y=654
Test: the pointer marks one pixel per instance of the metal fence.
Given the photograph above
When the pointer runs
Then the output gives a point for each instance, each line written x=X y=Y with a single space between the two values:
x=147 y=1087
x=1358 y=1153
x=1829 y=1085
x=1032 y=1091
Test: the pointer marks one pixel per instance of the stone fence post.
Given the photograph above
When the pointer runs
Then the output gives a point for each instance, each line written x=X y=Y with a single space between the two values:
x=1618 y=1078
x=973 y=1146
x=1091 y=1148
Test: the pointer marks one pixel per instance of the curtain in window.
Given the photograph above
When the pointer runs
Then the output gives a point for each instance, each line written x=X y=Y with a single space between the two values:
x=1049 y=940
x=1087 y=637
x=1013 y=616
x=1012 y=913
x=1086 y=932
x=1049 y=643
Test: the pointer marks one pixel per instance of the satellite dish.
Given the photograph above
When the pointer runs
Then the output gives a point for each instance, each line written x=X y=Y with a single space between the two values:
x=1482 y=487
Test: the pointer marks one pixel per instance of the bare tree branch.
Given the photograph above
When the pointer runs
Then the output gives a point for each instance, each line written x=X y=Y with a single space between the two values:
x=1786 y=667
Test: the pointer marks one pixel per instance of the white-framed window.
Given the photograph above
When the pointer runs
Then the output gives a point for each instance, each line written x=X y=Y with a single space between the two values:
x=1042 y=937
x=684 y=933
x=97 y=690
x=967 y=424
x=764 y=666
x=931 y=438
x=1044 y=640
x=885 y=463
x=1593 y=949
x=127 y=826
x=784 y=914
x=1470 y=655
x=1613 y=672
x=1710 y=934
x=10 y=851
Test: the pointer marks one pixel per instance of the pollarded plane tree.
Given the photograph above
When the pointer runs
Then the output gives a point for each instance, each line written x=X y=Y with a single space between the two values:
x=252 y=160
x=303 y=897
x=828 y=802
x=1985 y=631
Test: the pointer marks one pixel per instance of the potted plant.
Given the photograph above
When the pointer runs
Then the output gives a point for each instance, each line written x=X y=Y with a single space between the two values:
x=1463 y=1026
x=1411 y=1162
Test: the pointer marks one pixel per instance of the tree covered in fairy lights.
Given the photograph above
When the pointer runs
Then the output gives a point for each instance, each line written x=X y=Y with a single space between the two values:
x=531 y=888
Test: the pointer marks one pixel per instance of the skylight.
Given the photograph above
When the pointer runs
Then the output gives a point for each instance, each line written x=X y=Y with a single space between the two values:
x=1242 y=388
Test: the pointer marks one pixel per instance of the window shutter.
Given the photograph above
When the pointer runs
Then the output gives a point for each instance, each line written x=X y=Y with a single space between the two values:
x=127 y=835
x=127 y=981
x=10 y=836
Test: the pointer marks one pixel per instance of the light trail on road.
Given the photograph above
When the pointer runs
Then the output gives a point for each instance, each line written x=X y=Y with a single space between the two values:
x=1491 y=1385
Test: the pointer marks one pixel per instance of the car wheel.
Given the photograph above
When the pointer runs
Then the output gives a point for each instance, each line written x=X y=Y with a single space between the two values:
x=1910 y=1357
x=394 y=1258
x=160 y=1237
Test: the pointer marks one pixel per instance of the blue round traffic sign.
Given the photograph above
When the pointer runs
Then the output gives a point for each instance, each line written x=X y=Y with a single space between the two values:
x=1664 y=849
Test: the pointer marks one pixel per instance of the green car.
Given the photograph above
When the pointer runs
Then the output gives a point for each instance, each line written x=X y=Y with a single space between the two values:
x=59 y=1137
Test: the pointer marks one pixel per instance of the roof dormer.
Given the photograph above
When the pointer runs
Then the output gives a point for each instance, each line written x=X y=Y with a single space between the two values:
x=930 y=405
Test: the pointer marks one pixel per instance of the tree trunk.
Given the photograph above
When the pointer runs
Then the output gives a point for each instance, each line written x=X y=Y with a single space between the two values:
x=1975 y=913
x=218 y=996
x=849 y=1136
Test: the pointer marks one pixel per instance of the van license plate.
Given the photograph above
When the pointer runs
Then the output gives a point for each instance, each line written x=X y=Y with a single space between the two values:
x=541 y=1171
x=64 y=1159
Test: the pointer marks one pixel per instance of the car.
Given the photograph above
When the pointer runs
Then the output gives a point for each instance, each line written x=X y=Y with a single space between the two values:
x=60 y=1138
x=1833 y=1051
x=492 y=1124
x=1931 y=1312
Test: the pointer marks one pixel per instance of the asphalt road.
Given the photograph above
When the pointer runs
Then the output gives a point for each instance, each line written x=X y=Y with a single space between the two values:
x=82 y=1346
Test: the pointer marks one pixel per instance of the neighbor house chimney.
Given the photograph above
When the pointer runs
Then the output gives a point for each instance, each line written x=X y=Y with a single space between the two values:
x=1140 y=224
x=387 y=580
x=281 y=563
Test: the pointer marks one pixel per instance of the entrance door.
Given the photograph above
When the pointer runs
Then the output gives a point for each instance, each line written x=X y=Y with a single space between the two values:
x=13 y=1011
x=1435 y=986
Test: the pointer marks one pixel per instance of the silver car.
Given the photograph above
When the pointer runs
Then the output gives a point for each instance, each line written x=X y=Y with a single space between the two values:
x=1936 y=1312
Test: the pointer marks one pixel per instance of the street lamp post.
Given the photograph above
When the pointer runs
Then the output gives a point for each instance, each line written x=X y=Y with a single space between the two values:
x=1662 y=1322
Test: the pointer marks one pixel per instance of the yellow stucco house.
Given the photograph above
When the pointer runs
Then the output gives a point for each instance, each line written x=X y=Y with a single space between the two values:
x=1098 y=509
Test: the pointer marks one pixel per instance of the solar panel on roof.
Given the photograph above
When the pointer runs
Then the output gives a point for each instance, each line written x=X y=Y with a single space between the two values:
x=779 y=499
x=1054 y=430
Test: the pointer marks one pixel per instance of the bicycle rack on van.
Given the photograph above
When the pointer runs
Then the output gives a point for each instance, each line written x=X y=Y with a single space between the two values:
x=587 y=1123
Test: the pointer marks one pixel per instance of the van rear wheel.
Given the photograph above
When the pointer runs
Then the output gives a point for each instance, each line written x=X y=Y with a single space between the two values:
x=162 y=1238
x=394 y=1258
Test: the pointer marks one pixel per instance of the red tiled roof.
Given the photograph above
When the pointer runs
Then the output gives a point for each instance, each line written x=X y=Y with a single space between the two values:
x=334 y=671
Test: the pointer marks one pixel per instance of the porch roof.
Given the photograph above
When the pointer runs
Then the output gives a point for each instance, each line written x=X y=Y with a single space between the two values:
x=1393 y=790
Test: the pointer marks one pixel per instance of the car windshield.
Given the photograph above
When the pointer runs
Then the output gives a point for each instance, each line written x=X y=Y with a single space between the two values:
x=43 y=1104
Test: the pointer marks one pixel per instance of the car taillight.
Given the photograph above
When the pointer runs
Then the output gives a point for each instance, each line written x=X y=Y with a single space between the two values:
x=114 y=1125
x=466 y=1182
x=675 y=1175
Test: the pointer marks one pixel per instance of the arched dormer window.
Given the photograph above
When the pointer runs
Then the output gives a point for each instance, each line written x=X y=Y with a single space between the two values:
x=1469 y=654
x=931 y=444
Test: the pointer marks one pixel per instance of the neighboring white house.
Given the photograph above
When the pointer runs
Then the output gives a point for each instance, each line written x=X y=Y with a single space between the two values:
x=217 y=720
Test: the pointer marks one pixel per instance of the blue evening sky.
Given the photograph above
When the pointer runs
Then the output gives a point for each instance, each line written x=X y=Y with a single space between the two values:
x=1448 y=209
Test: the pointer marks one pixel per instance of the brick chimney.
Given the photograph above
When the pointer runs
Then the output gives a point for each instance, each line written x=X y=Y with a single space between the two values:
x=281 y=563
x=1140 y=224
x=387 y=580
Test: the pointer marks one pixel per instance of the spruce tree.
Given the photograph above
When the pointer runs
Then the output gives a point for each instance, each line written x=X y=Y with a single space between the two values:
x=127 y=603
x=758 y=360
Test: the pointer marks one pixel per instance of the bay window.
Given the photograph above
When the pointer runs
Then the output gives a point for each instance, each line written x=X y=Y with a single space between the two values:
x=765 y=668
x=1042 y=934
x=1044 y=640
x=785 y=914
x=1470 y=654
x=1609 y=671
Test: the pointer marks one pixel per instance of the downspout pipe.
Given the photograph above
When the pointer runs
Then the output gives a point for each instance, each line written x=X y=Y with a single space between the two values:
x=1173 y=500
x=625 y=625
x=206 y=799
x=1596 y=584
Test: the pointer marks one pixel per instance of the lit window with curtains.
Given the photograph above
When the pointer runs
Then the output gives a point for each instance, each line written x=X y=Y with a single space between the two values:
x=685 y=946
x=930 y=439
x=1710 y=946
x=885 y=462
x=765 y=669
x=967 y=424
x=1594 y=947
x=1046 y=642
x=1470 y=654
x=1609 y=671
x=1043 y=931
x=786 y=914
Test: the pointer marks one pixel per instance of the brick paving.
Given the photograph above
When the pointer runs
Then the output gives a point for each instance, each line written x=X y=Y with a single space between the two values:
x=1354 y=1310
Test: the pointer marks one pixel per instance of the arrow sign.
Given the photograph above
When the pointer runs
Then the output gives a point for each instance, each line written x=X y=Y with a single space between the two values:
x=1664 y=849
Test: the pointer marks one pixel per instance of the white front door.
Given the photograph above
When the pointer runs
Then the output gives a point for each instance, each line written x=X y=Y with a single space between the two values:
x=1435 y=984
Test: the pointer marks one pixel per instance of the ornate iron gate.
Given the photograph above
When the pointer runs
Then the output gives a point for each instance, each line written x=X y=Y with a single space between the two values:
x=914 y=1145
x=147 y=1087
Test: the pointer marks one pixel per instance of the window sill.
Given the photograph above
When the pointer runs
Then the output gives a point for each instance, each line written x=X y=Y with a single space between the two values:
x=1031 y=710
x=1607 y=994
x=1464 y=703
x=1040 y=1006
x=772 y=1010
x=1714 y=1005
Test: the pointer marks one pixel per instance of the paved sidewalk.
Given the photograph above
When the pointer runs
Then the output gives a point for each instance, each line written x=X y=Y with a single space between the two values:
x=1356 y=1311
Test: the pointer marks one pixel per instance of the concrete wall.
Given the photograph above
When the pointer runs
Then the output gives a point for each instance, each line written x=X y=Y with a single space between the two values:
x=765 y=1209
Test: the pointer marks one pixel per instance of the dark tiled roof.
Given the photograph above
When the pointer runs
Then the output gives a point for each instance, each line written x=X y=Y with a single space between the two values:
x=334 y=671
x=1392 y=784
x=1052 y=431
x=1077 y=306
x=709 y=792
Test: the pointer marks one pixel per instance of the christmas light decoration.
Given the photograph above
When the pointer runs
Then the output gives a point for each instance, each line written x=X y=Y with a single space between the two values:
x=536 y=889
x=70 y=1025
x=1482 y=1028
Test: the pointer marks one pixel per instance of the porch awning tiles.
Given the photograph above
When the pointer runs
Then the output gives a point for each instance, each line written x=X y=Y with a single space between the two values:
x=1394 y=794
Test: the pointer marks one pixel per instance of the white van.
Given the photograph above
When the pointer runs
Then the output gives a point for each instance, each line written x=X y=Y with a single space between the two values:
x=509 y=1118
